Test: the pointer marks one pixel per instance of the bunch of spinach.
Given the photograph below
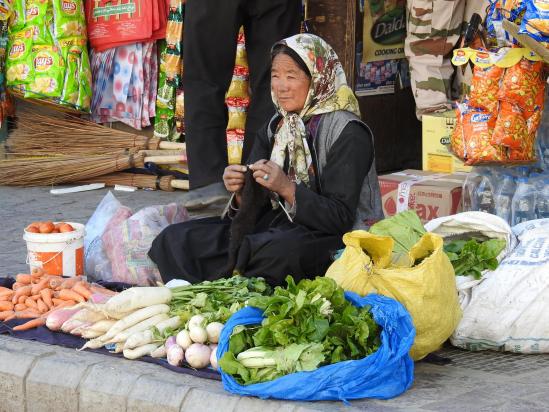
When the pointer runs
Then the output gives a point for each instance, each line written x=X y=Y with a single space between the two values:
x=472 y=257
x=306 y=325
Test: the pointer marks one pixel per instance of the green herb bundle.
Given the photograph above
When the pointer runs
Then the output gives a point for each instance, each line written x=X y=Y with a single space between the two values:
x=472 y=257
x=306 y=325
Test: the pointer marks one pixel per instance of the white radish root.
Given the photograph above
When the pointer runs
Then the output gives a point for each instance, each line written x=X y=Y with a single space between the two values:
x=141 y=326
x=138 y=297
x=140 y=351
x=135 y=318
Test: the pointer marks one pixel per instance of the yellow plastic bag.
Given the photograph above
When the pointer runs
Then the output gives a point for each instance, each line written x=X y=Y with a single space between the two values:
x=427 y=290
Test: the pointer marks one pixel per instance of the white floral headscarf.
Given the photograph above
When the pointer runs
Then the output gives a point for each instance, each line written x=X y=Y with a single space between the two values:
x=328 y=92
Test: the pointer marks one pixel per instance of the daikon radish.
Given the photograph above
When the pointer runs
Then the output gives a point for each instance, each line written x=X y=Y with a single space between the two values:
x=140 y=351
x=88 y=315
x=141 y=326
x=136 y=317
x=93 y=344
x=138 y=297
x=145 y=337
x=103 y=325
x=90 y=333
x=118 y=348
x=71 y=325
x=159 y=352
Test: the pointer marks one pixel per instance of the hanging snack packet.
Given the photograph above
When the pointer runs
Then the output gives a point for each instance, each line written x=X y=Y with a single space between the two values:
x=456 y=140
x=485 y=87
x=71 y=83
x=511 y=129
x=536 y=20
x=163 y=122
x=235 y=143
x=49 y=72
x=17 y=18
x=41 y=33
x=237 y=108
x=521 y=85
x=85 y=80
x=239 y=84
x=478 y=126
x=35 y=12
x=19 y=61
x=69 y=19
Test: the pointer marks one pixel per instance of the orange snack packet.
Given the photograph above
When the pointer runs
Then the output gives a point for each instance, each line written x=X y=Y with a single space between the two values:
x=511 y=128
x=485 y=87
x=522 y=84
x=478 y=127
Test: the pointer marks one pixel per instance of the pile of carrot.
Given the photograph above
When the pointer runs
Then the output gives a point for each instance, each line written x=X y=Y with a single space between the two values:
x=33 y=296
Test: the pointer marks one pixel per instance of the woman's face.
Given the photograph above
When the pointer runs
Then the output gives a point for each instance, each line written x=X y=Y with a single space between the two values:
x=290 y=84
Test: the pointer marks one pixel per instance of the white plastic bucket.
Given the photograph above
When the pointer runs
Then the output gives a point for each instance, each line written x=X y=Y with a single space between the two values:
x=57 y=253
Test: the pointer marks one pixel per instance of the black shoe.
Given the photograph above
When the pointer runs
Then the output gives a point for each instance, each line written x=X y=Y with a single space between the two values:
x=205 y=196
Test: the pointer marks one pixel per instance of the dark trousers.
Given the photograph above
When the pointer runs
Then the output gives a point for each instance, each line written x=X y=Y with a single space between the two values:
x=209 y=49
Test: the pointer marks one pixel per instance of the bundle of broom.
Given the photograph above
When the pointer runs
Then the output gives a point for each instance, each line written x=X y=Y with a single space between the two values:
x=142 y=181
x=37 y=134
x=64 y=169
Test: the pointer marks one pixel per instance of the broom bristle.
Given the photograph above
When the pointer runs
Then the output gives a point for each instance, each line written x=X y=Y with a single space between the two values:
x=41 y=134
x=63 y=169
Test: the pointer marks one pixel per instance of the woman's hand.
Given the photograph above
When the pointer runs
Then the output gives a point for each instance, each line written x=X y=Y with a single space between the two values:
x=271 y=176
x=233 y=177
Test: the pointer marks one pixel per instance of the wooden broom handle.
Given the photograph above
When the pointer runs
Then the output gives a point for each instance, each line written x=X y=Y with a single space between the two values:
x=166 y=160
x=180 y=184
x=172 y=146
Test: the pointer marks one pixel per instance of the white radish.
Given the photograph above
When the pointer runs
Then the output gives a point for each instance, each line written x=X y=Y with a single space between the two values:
x=135 y=318
x=88 y=316
x=55 y=319
x=175 y=355
x=93 y=344
x=198 y=334
x=91 y=334
x=138 y=297
x=71 y=325
x=214 y=330
x=145 y=337
x=141 y=326
x=102 y=326
x=159 y=352
x=183 y=339
x=213 y=356
x=140 y=351
x=118 y=348
x=196 y=320
x=198 y=355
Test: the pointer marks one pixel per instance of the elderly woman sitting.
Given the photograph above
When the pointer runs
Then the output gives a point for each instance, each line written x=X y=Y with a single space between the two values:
x=315 y=158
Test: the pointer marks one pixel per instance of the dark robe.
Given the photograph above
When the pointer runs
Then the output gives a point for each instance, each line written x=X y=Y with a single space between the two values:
x=197 y=250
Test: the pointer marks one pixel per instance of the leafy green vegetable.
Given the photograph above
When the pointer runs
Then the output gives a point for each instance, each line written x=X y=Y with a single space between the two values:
x=472 y=257
x=306 y=325
x=406 y=229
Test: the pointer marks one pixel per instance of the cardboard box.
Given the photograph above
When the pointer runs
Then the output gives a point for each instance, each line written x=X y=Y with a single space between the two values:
x=437 y=130
x=431 y=194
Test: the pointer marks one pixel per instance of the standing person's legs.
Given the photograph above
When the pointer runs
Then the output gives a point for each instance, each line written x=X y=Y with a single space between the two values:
x=434 y=27
x=267 y=22
x=209 y=47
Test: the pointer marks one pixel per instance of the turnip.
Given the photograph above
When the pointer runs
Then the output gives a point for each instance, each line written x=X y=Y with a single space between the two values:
x=198 y=334
x=56 y=318
x=183 y=339
x=198 y=355
x=196 y=320
x=138 y=297
x=213 y=356
x=159 y=352
x=136 y=317
x=175 y=355
x=214 y=330
x=169 y=342
x=140 y=351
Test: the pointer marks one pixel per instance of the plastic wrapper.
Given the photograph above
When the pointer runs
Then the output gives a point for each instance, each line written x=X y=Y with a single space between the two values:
x=70 y=86
x=49 y=72
x=17 y=18
x=485 y=87
x=35 y=11
x=511 y=129
x=69 y=19
x=237 y=108
x=536 y=20
x=456 y=140
x=235 y=143
x=522 y=85
x=19 y=68
x=478 y=127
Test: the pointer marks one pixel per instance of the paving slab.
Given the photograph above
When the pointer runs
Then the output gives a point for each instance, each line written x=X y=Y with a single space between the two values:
x=39 y=377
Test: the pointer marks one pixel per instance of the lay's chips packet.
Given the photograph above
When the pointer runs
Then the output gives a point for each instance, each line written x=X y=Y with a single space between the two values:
x=19 y=62
x=49 y=72
x=69 y=94
x=85 y=82
x=35 y=12
x=69 y=20
x=17 y=18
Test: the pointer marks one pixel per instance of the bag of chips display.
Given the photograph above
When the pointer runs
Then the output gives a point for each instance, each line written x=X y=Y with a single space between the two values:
x=536 y=20
x=19 y=61
x=485 y=87
x=511 y=128
x=49 y=72
x=69 y=19
x=478 y=127
x=522 y=84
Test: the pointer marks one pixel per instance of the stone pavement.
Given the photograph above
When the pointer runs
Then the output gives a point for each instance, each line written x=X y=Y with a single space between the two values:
x=40 y=377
